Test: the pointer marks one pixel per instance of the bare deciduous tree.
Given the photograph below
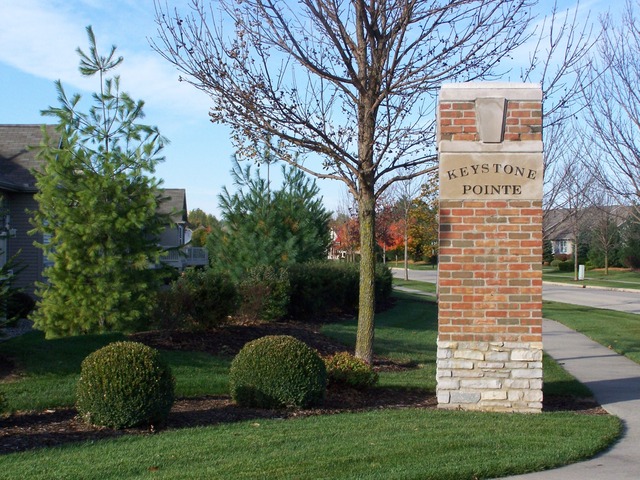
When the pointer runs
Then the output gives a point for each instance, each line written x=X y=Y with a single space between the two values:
x=574 y=192
x=612 y=101
x=353 y=81
x=560 y=61
x=605 y=219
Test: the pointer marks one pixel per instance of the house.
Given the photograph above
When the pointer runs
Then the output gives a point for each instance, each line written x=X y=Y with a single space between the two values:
x=557 y=229
x=177 y=235
x=17 y=189
x=558 y=225
x=336 y=252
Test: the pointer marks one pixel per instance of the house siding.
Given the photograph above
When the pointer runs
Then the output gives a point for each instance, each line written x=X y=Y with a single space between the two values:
x=29 y=257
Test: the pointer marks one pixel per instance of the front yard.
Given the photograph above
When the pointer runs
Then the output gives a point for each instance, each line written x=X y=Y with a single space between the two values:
x=366 y=440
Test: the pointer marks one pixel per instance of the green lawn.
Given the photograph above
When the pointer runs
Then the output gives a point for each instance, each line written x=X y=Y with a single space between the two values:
x=619 y=331
x=50 y=369
x=389 y=444
x=596 y=278
x=426 y=287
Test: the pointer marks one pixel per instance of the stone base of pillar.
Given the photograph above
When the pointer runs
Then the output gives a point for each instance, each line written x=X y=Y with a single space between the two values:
x=490 y=376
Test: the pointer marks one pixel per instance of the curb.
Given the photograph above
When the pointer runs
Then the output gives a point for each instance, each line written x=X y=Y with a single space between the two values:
x=594 y=287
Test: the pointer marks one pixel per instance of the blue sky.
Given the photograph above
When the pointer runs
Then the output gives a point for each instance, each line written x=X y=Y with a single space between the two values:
x=37 y=46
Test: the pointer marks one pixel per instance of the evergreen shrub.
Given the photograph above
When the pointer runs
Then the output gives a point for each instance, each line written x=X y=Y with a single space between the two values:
x=383 y=284
x=264 y=293
x=125 y=384
x=3 y=404
x=567 y=266
x=20 y=305
x=277 y=371
x=324 y=287
x=198 y=300
x=632 y=261
x=319 y=288
x=344 y=368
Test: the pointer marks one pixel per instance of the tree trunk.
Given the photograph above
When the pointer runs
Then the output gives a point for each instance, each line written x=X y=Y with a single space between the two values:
x=575 y=259
x=366 y=312
x=406 y=251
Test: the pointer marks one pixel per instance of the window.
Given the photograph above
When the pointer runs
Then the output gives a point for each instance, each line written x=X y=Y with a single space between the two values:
x=561 y=246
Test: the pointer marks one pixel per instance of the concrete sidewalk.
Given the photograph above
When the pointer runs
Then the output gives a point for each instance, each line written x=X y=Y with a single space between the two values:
x=615 y=383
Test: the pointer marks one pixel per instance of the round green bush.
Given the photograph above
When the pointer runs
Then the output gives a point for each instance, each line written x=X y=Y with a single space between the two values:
x=125 y=384
x=567 y=266
x=277 y=371
x=344 y=368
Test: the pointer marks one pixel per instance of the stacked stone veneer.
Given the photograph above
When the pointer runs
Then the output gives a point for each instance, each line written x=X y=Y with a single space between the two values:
x=490 y=247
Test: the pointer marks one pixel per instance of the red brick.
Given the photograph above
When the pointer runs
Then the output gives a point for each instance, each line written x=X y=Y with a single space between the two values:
x=463 y=105
x=464 y=121
x=464 y=137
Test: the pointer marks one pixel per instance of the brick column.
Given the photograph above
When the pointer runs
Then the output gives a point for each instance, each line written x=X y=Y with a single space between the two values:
x=490 y=247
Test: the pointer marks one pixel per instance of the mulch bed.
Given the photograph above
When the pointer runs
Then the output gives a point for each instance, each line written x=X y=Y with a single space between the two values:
x=28 y=430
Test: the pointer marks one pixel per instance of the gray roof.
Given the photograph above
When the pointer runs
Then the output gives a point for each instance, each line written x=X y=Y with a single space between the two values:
x=16 y=159
x=17 y=162
x=557 y=224
x=174 y=203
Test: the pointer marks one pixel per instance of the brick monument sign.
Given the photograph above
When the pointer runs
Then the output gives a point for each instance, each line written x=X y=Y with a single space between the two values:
x=490 y=247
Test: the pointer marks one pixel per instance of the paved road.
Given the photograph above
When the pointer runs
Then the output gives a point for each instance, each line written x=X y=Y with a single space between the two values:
x=623 y=301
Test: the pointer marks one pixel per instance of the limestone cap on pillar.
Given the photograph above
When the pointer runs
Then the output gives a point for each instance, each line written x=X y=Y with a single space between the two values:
x=490 y=99
x=469 y=91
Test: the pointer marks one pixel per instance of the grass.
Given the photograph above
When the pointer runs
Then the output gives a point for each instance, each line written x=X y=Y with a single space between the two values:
x=384 y=444
x=49 y=370
x=596 y=278
x=619 y=331
x=408 y=333
x=388 y=444
x=426 y=287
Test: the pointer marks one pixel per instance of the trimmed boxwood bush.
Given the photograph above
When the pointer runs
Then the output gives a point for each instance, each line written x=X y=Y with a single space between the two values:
x=125 y=384
x=567 y=266
x=277 y=371
x=344 y=368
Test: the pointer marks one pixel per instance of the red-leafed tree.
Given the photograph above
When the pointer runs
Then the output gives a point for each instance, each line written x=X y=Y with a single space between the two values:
x=388 y=232
x=346 y=236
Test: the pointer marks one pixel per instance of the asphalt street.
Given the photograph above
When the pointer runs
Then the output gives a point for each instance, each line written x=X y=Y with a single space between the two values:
x=624 y=301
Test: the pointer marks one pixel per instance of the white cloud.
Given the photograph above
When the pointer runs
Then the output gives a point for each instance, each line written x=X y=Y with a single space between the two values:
x=41 y=37
x=36 y=35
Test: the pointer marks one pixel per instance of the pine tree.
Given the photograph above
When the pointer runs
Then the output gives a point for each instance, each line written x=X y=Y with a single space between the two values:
x=97 y=204
x=266 y=227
